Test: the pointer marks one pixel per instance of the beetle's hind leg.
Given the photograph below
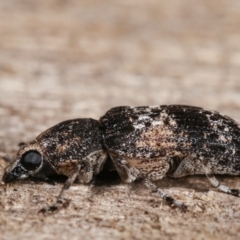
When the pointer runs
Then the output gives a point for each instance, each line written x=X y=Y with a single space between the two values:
x=169 y=200
x=184 y=168
x=222 y=188
x=130 y=173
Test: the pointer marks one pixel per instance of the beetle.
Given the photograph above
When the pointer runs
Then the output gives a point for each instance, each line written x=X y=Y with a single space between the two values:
x=149 y=143
x=72 y=148
x=144 y=144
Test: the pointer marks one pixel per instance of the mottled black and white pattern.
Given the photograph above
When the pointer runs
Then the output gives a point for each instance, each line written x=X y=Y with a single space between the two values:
x=174 y=133
x=150 y=143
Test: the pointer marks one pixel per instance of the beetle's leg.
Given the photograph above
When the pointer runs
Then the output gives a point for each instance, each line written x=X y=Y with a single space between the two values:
x=129 y=174
x=222 y=188
x=60 y=202
x=86 y=172
x=184 y=168
x=170 y=200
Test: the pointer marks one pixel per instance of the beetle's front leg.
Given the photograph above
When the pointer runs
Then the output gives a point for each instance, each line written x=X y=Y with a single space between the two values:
x=60 y=201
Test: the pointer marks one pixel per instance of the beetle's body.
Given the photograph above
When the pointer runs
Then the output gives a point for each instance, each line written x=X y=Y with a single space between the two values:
x=149 y=138
x=144 y=143
x=149 y=143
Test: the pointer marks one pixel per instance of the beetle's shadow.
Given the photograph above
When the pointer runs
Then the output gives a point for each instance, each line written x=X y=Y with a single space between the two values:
x=54 y=179
x=102 y=179
x=107 y=179
x=198 y=183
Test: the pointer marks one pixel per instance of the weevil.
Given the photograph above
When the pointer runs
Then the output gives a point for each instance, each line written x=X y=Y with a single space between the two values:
x=72 y=148
x=144 y=144
x=149 y=143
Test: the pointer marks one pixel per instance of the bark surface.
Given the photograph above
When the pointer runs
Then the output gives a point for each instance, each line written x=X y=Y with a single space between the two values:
x=62 y=60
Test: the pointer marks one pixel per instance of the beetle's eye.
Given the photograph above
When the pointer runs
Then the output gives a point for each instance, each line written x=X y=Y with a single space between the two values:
x=31 y=160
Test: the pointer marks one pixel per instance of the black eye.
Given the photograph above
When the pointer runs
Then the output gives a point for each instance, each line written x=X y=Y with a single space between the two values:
x=31 y=160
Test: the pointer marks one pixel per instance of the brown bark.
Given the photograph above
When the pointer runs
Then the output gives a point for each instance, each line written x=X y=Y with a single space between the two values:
x=70 y=59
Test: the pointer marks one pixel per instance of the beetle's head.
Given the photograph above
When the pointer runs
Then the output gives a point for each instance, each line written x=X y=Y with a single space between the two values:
x=29 y=162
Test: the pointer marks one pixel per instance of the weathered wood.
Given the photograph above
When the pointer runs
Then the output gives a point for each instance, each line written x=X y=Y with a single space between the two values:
x=61 y=60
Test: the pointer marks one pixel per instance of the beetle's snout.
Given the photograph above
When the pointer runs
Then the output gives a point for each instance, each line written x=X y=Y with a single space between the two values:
x=13 y=173
x=7 y=178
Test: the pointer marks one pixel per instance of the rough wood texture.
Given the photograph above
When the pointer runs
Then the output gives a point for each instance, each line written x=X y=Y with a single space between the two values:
x=69 y=59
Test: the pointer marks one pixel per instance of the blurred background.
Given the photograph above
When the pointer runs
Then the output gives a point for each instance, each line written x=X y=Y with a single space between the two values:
x=63 y=59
